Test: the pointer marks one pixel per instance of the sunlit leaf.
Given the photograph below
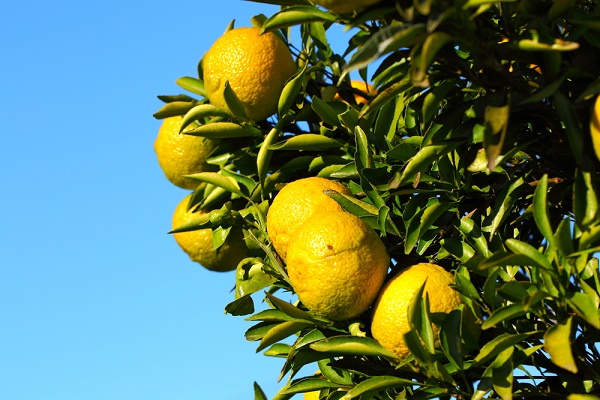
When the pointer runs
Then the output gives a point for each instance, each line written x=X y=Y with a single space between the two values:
x=557 y=342
x=307 y=142
x=496 y=123
x=378 y=383
x=296 y=15
x=193 y=85
x=351 y=345
x=585 y=307
x=280 y=332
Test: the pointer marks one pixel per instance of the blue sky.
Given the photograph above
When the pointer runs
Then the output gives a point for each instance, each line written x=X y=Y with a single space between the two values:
x=96 y=300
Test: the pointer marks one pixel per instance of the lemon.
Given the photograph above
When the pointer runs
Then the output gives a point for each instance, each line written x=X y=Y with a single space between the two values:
x=179 y=154
x=363 y=87
x=312 y=395
x=336 y=264
x=297 y=201
x=198 y=244
x=390 y=311
x=256 y=67
x=345 y=6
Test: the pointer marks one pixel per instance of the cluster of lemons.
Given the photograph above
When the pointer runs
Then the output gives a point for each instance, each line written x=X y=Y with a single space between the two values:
x=256 y=66
x=337 y=264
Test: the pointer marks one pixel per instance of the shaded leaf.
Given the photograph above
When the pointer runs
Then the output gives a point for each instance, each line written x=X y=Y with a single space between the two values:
x=258 y=393
x=498 y=344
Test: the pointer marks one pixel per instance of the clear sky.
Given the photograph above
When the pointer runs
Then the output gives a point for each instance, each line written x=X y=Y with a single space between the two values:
x=96 y=300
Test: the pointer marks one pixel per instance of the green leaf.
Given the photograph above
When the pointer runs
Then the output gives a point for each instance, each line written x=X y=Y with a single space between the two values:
x=505 y=259
x=336 y=375
x=325 y=112
x=502 y=314
x=502 y=374
x=498 y=344
x=278 y=350
x=258 y=393
x=219 y=180
x=556 y=45
x=234 y=104
x=585 y=200
x=503 y=205
x=433 y=99
x=387 y=39
x=193 y=85
x=241 y=306
x=425 y=56
x=265 y=153
x=576 y=396
x=496 y=124
x=309 y=385
x=290 y=92
x=270 y=315
x=290 y=309
x=352 y=345
x=459 y=249
x=540 y=210
x=525 y=249
x=424 y=158
x=307 y=142
x=473 y=234
x=419 y=318
x=173 y=109
x=557 y=342
x=378 y=384
x=450 y=339
x=201 y=111
x=296 y=15
x=479 y=3
x=545 y=92
x=419 y=226
x=221 y=130
x=281 y=331
x=585 y=307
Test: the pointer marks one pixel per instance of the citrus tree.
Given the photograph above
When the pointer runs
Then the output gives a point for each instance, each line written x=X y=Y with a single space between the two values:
x=420 y=212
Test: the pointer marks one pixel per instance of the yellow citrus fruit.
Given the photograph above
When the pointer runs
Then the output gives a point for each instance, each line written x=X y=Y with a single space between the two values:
x=297 y=201
x=179 y=154
x=312 y=395
x=363 y=87
x=198 y=244
x=595 y=127
x=390 y=311
x=256 y=66
x=336 y=264
x=345 y=6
